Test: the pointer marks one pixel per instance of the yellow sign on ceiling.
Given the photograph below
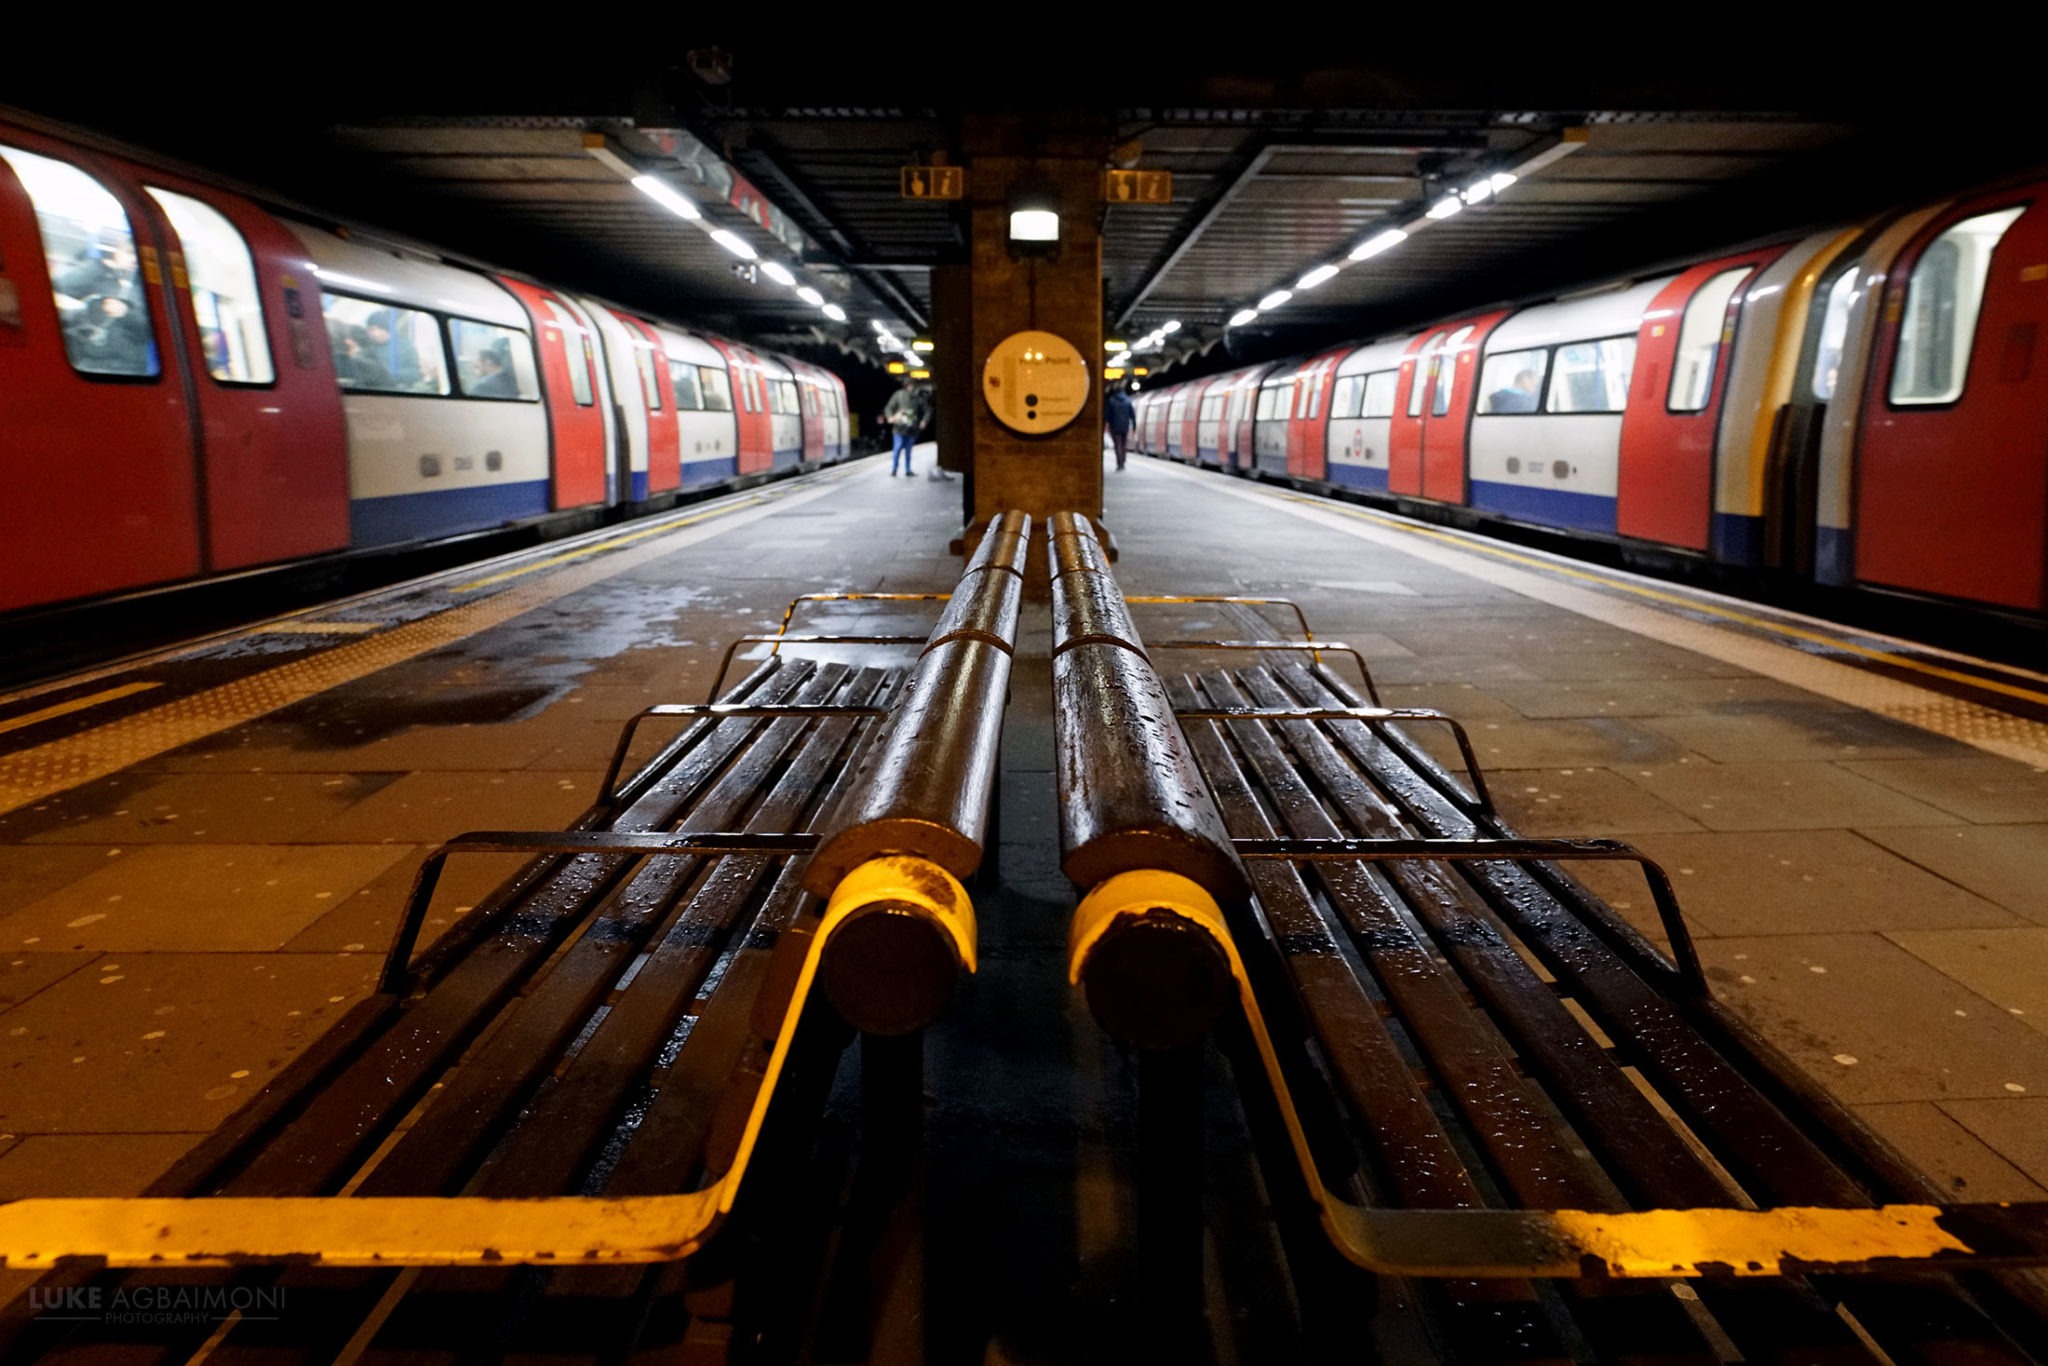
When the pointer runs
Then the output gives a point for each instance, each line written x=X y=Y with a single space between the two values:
x=934 y=182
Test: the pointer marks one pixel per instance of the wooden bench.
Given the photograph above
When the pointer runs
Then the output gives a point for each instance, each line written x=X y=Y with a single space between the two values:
x=1461 y=1067
x=599 y=1042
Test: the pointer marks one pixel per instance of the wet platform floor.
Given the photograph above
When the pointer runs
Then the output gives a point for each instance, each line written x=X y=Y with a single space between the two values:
x=198 y=875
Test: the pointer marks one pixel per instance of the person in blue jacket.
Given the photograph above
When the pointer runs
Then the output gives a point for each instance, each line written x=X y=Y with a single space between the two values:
x=1119 y=414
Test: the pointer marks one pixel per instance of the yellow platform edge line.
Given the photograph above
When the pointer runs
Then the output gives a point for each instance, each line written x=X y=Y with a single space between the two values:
x=611 y=543
x=75 y=704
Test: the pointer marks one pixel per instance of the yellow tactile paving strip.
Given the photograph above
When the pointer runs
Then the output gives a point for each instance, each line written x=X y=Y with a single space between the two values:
x=1970 y=723
x=40 y=771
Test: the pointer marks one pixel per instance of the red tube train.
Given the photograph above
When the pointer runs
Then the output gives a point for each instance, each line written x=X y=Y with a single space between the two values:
x=191 y=385
x=1859 y=408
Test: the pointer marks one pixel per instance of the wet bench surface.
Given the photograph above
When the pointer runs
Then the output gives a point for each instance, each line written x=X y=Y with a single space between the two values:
x=1466 y=1035
x=598 y=1026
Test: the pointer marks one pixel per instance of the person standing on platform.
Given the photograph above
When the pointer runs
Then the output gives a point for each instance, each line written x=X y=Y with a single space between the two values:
x=1119 y=414
x=905 y=415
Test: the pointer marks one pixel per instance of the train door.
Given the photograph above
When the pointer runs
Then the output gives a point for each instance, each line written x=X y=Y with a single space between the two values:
x=650 y=367
x=274 y=451
x=101 y=483
x=1447 y=419
x=1951 y=488
x=1191 y=422
x=834 y=396
x=750 y=407
x=785 y=415
x=568 y=367
x=1245 y=404
x=1404 y=443
x=1665 y=488
x=1271 y=417
x=1209 y=423
x=1309 y=431
x=811 y=412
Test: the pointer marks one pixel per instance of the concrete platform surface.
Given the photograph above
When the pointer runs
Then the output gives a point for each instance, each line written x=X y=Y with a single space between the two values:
x=196 y=876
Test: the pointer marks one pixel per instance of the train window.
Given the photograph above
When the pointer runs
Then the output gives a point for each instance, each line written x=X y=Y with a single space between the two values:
x=787 y=389
x=650 y=383
x=716 y=389
x=1344 y=396
x=1379 y=394
x=576 y=348
x=1834 y=335
x=90 y=249
x=492 y=361
x=382 y=349
x=1943 y=298
x=1699 y=341
x=1592 y=377
x=683 y=379
x=225 y=298
x=1512 y=381
x=1447 y=371
x=1425 y=370
x=1267 y=397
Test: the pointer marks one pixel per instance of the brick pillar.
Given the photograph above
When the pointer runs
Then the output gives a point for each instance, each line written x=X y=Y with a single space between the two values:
x=1059 y=291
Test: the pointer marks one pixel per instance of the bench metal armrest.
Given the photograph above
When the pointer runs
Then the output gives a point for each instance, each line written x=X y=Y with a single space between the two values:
x=1172 y=599
x=1311 y=647
x=641 y=844
x=778 y=640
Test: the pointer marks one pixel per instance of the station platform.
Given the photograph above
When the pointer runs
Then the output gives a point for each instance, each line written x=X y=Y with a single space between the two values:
x=203 y=853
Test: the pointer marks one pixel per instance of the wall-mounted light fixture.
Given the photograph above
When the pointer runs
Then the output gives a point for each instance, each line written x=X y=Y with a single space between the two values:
x=1034 y=220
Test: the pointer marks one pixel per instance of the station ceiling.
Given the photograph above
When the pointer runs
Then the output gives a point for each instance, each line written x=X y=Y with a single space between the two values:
x=1279 y=164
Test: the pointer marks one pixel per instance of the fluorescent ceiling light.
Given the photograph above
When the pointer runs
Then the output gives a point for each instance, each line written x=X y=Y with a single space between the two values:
x=1500 y=180
x=1315 y=277
x=1275 y=299
x=1034 y=225
x=665 y=195
x=1475 y=193
x=1167 y=329
x=810 y=296
x=734 y=244
x=878 y=324
x=1243 y=316
x=1445 y=207
x=922 y=345
x=1373 y=246
x=835 y=313
x=778 y=273
x=1114 y=345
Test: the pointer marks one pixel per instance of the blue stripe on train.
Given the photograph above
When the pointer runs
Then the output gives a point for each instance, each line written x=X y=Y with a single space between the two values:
x=1550 y=507
x=639 y=485
x=696 y=472
x=1358 y=477
x=1834 y=556
x=787 y=460
x=1738 y=538
x=443 y=512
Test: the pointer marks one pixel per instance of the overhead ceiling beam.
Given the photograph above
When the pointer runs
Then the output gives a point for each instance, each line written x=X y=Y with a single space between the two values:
x=761 y=154
x=1229 y=184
